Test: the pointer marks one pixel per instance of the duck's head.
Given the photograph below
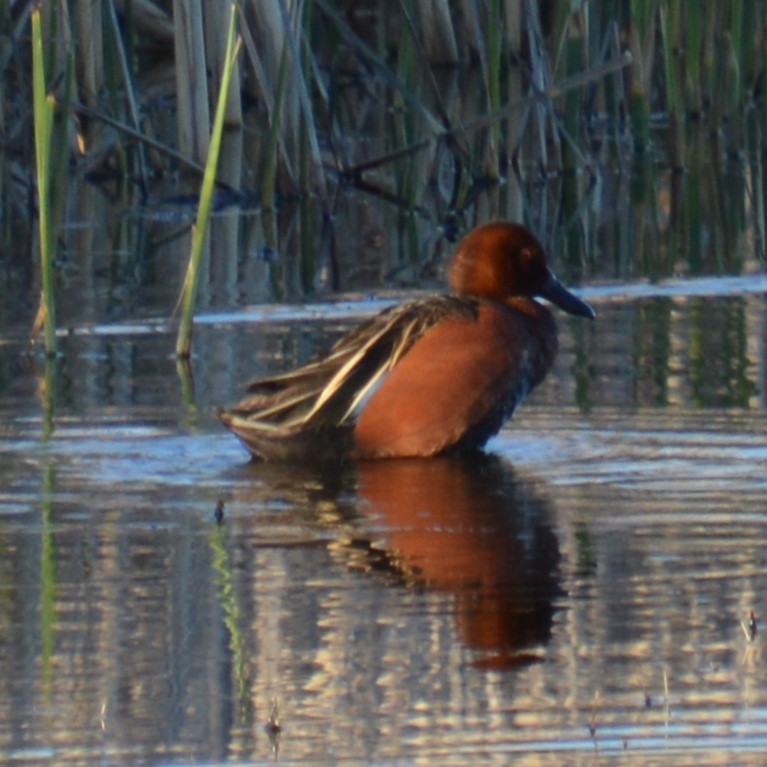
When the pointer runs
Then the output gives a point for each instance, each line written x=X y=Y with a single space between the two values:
x=503 y=260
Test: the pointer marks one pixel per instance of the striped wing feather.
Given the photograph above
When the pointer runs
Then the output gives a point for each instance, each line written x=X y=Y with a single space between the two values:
x=326 y=391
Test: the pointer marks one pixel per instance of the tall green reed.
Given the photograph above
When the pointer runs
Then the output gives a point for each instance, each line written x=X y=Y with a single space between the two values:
x=44 y=105
x=189 y=290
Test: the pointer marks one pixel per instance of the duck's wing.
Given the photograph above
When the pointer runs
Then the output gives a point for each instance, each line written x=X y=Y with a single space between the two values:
x=327 y=391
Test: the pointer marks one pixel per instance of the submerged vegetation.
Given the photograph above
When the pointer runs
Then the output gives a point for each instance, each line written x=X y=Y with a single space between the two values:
x=427 y=107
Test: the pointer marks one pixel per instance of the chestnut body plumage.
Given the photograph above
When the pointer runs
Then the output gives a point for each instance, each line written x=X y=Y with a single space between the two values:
x=431 y=376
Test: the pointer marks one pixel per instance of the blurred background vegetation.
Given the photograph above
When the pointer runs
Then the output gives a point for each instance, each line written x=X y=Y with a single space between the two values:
x=429 y=115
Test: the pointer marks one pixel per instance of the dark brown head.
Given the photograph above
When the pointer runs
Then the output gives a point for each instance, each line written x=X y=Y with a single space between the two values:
x=502 y=261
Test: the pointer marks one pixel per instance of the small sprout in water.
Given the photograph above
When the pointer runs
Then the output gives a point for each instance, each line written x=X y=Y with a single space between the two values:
x=750 y=629
x=593 y=721
x=218 y=514
x=647 y=700
x=273 y=728
x=272 y=725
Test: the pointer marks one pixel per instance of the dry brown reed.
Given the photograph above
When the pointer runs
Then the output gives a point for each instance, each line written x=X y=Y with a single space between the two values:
x=305 y=59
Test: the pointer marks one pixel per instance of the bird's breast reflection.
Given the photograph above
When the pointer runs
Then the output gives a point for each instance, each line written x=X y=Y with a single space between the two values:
x=470 y=529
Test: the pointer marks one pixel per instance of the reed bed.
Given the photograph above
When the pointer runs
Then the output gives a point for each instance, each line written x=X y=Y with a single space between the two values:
x=307 y=61
x=332 y=94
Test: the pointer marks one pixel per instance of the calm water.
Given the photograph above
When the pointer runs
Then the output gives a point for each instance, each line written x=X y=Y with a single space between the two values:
x=580 y=596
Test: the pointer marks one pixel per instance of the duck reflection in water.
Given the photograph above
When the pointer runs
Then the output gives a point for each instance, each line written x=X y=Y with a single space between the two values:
x=468 y=528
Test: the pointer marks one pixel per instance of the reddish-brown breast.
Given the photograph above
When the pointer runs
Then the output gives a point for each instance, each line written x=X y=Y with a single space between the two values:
x=459 y=383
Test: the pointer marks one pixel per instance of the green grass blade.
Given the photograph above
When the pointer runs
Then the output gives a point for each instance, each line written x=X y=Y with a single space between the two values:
x=184 y=339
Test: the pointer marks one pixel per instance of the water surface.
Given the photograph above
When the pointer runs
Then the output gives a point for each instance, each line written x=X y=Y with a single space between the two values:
x=580 y=595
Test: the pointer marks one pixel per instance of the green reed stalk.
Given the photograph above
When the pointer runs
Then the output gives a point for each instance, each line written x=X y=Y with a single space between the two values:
x=738 y=70
x=752 y=18
x=720 y=56
x=494 y=49
x=671 y=33
x=303 y=66
x=493 y=68
x=693 y=211
x=269 y=181
x=739 y=41
x=641 y=43
x=484 y=145
x=191 y=281
x=119 y=57
x=574 y=50
x=694 y=35
x=305 y=135
x=43 y=106
x=709 y=60
x=411 y=61
x=670 y=23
